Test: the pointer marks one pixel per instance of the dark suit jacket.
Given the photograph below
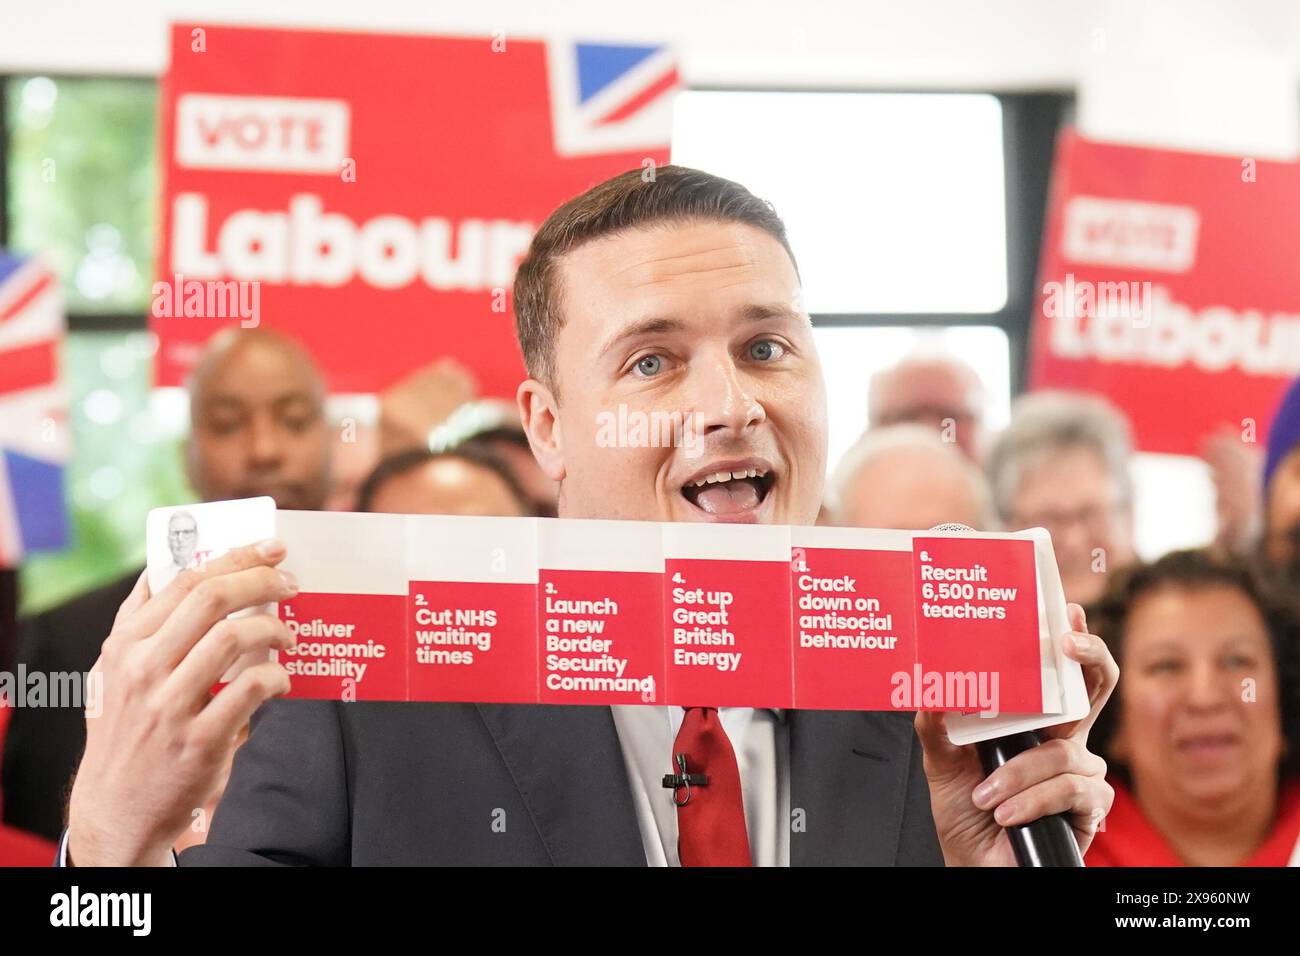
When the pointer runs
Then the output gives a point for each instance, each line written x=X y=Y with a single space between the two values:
x=363 y=784
x=44 y=744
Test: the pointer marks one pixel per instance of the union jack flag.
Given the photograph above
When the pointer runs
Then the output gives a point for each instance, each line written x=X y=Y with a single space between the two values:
x=607 y=98
x=34 y=443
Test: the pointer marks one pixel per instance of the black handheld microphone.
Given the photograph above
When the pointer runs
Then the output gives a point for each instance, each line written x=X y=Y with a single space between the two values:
x=1047 y=841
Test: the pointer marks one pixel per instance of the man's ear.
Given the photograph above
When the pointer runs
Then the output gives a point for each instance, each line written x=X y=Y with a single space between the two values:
x=540 y=414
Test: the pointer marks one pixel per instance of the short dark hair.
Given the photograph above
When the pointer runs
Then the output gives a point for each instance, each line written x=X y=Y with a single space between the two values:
x=409 y=459
x=1198 y=570
x=638 y=197
x=505 y=434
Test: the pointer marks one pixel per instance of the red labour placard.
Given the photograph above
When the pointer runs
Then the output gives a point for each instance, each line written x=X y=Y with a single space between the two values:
x=1167 y=284
x=372 y=194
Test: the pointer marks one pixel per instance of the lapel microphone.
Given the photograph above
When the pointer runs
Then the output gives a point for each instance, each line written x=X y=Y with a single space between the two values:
x=1047 y=841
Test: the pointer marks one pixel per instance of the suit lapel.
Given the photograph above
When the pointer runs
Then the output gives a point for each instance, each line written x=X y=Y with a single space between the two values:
x=848 y=774
x=568 y=767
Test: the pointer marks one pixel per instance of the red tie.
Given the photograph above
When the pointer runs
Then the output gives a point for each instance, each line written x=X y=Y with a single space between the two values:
x=710 y=816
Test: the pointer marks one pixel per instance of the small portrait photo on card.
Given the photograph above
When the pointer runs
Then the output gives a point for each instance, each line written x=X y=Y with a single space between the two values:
x=183 y=539
x=186 y=537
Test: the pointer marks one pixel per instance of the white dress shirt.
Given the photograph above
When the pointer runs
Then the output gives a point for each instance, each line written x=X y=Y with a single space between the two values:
x=761 y=741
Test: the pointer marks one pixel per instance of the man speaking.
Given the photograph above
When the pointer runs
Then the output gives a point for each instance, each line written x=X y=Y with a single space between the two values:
x=668 y=291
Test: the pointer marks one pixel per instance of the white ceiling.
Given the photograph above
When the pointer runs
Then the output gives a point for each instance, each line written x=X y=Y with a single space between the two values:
x=1211 y=74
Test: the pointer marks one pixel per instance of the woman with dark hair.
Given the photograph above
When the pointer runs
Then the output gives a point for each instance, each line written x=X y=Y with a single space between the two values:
x=1201 y=734
x=465 y=480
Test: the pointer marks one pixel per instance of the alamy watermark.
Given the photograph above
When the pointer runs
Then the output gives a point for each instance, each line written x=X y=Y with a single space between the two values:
x=628 y=428
x=1084 y=299
x=132 y=911
x=945 y=690
x=71 y=689
x=208 y=299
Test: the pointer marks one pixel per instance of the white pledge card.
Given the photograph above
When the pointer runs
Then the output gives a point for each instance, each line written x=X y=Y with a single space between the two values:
x=187 y=537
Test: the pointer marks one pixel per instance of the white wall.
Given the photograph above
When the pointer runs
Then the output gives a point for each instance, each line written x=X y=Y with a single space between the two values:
x=952 y=43
x=795 y=42
x=1208 y=74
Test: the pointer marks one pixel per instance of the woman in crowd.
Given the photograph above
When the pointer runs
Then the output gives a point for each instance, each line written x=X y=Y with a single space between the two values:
x=1202 y=732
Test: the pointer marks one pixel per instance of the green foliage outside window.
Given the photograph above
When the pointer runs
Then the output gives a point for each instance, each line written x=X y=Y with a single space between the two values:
x=82 y=182
x=83 y=173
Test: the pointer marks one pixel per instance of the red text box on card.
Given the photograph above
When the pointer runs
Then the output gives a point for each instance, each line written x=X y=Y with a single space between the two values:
x=601 y=637
x=473 y=641
x=728 y=633
x=350 y=646
x=977 y=625
x=853 y=626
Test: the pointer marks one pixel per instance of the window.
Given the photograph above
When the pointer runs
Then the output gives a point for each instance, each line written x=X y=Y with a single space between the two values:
x=82 y=176
x=850 y=355
x=896 y=210
x=894 y=202
x=126 y=459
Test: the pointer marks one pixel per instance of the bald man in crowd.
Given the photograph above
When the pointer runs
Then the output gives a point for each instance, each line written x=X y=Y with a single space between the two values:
x=257 y=422
x=257 y=427
x=907 y=477
x=933 y=389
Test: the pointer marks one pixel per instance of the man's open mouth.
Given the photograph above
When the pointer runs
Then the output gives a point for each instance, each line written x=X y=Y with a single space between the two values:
x=730 y=489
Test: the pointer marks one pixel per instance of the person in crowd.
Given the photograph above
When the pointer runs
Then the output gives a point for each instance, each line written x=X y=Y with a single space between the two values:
x=405 y=416
x=932 y=389
x=8 y=617
x=257 y=427
x=1063 y=464
x=467 y=480
x=18 y=847
x=1236 y=465
x=420 y=412
x=257 y=422
x=1201 y=736
x=509 y=443
x=411 y=409
x=1280 y=546
x=354 y=451
x=494 y=425
x=907 y=477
